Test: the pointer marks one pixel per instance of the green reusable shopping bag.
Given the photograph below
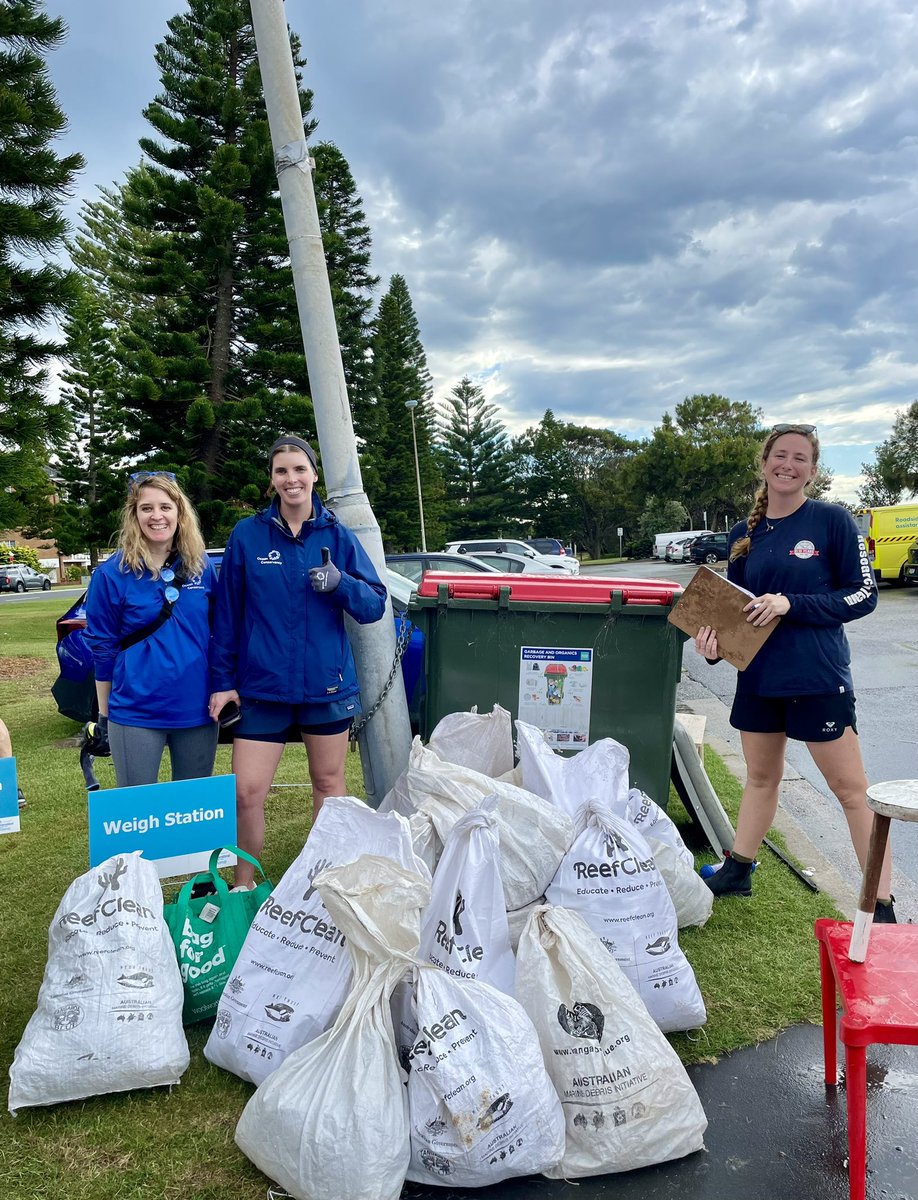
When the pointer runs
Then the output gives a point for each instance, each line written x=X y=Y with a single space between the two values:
x=208 y=933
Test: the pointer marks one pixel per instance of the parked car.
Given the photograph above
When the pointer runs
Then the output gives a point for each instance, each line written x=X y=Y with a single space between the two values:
x=566 y=563
x=709 y=548
x=17 y=577
x=514 y=564
x=674 y=549
x=413 y=566
x=74 y=690
x=546 y=545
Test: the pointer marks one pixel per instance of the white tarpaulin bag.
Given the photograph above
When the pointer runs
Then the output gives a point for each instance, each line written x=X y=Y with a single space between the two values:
x=534 y=834
x=482 y=741
x=627 y=1099
x=517 y=920
x=293 y=971
x=109 y=1013
x=692 y=899
x=652 y=822
x=332 y=1122
x=464 y=929
x=598 y=773
x=427 y=846
x=609 y=876
x=481 y=1106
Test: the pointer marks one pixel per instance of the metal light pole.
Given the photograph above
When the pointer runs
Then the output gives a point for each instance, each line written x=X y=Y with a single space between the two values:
x=386 y=740
x=411 y=405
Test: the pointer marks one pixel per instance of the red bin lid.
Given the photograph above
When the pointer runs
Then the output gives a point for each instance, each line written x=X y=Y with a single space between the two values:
x=550 y=589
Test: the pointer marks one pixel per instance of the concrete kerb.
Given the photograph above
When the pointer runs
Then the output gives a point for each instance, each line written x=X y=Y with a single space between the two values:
x=824 y=873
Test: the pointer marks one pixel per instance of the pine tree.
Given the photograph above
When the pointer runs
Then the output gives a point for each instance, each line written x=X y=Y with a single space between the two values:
x=346 y=239
x=400 y=374
x=214 y=348
x=33 y=183
x=475 y=451
x=92 y=486
x=106 y=250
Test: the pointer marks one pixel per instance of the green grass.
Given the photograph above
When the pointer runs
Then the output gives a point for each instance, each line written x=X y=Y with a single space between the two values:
x=755 y=961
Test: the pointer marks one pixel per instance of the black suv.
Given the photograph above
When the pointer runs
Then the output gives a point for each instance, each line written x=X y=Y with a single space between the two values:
x=709 y=548
x=546 y=545
x=17 y=577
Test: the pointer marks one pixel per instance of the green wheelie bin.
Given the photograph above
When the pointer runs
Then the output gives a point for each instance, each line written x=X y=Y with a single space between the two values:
x=582 y=659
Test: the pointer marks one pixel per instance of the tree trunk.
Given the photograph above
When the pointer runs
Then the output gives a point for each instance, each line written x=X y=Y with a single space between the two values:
x=219 y=359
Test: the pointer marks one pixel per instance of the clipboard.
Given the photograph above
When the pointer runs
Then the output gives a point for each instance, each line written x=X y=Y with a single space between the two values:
x=711 y=599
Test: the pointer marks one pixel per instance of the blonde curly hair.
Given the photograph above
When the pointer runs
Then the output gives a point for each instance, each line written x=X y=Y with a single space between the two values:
x=760 y=504
x=188 y=540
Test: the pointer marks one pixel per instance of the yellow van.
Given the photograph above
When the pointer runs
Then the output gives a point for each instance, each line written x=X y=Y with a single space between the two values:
x=889 y=532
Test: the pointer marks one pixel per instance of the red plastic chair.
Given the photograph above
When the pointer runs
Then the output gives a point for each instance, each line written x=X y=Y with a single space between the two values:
x=879 y=1000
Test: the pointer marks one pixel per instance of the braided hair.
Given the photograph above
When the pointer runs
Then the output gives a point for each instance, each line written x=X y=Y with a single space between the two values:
x=760 y=504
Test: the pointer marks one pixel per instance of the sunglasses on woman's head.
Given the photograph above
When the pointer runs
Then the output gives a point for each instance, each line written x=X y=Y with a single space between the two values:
x=142 y=476
x=793 y=429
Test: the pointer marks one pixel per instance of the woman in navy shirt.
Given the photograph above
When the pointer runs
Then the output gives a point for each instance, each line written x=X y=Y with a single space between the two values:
x=805 y=562
x=154 y=692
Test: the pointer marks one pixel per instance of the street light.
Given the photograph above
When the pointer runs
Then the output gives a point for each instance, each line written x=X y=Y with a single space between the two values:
x=411 y=405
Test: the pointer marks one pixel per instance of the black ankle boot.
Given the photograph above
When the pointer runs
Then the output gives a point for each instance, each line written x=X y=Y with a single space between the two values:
x=733 y=879
x=885 y=914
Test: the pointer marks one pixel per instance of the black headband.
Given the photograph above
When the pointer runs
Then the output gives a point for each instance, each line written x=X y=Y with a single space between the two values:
x=290 y=439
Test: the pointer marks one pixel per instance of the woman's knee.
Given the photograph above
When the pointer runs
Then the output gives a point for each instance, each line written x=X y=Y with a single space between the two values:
x=327 y=781
x=764 y=777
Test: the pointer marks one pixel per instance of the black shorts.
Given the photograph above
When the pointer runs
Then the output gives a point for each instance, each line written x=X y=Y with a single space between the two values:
x=803 y=718
x=268 y=721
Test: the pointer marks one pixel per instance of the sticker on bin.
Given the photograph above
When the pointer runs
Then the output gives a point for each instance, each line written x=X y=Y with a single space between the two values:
x=556 y=687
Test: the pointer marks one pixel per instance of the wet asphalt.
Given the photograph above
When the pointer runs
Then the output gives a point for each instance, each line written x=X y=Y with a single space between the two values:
x=774 y=1130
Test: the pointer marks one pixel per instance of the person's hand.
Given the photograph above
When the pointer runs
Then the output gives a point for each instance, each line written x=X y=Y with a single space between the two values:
x=706 y=643
x=327 y=577
x=218 y=701
x=95 y=737
x=765 y=608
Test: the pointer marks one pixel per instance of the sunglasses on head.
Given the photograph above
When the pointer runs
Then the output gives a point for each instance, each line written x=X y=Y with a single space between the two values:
x=793 y=429
x=143 y=476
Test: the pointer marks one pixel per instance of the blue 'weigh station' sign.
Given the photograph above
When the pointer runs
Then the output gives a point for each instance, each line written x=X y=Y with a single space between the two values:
x=9 y=797
x=176 y=825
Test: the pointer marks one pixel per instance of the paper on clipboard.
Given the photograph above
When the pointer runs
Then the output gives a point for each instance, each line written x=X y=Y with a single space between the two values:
x=711 y=599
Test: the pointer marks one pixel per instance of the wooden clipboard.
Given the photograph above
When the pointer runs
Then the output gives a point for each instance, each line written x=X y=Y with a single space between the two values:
x=711 y=599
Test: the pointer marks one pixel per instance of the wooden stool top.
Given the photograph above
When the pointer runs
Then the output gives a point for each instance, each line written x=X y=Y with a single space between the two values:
x=897 y=798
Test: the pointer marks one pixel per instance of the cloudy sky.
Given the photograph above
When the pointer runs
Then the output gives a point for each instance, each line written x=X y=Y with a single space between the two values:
x=603 y=206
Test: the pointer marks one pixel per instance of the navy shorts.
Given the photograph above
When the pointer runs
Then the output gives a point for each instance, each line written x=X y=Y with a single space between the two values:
x=803 y=718
x=267 y=721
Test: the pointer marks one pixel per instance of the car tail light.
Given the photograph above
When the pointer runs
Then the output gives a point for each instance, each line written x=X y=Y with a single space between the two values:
x=871 y=549
x=65 y=627
x=562 y=551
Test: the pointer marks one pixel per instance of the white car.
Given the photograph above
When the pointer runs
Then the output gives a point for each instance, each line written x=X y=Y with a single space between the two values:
x=566 y=564
x=676 y=549
x=514 y=564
